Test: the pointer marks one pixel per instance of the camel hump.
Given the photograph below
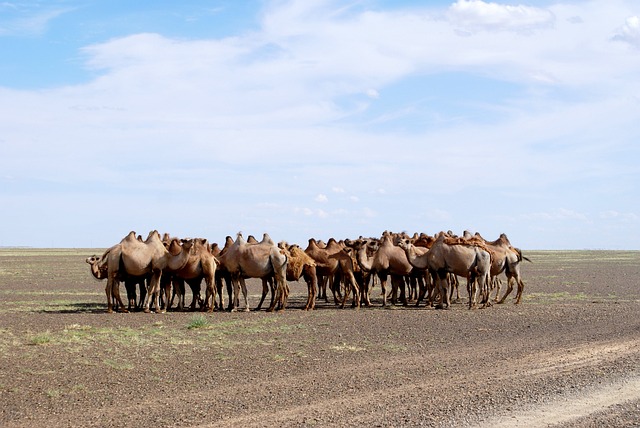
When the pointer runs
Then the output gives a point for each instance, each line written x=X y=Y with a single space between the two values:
x=266 y=239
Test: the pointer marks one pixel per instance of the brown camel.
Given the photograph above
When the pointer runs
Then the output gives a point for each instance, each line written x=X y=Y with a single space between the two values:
x=507 y=259
x=387 y=260
x=262 y=260
x=99 y=270
x=452 y=256
x=334 y=265
x=201 y=265
x=148 y=258
x=363 y=277
x=301 y=265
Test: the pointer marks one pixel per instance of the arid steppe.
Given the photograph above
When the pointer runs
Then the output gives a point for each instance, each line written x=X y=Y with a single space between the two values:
x=568 y=356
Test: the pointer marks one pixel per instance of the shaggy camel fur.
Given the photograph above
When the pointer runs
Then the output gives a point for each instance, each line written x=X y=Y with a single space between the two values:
x=301 y=265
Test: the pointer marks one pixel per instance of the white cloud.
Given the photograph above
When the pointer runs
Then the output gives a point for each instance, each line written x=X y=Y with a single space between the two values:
x=558 y=214
x=372 y=93
x=621 y=216
x=27 y=23
x=261 y=116
x=475 y=15
x=630 y=31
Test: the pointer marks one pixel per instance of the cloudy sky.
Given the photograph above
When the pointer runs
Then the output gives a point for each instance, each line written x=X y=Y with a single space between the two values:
x=312 y=118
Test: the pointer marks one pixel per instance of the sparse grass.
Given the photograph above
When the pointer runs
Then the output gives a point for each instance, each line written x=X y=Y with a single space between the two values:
x=198 y=321
x=41 y=338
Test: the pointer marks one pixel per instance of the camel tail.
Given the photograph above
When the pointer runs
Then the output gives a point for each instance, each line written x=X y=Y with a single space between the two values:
x=521 y=256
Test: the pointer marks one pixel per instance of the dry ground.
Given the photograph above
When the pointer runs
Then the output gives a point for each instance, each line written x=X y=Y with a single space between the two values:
x=569 y=355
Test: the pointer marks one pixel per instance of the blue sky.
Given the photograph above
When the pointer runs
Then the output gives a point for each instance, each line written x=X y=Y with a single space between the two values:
x=320 y=119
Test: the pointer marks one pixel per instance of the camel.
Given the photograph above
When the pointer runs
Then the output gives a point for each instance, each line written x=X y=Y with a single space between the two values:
x=147 y=258
x=363 y=277
x=99 y=270
x=333 y=264
x=222 y=275
x=201 y=265
x=387 y=260
x=261 y=260
x=301 y=265
x=507 y=259
x=455 y=256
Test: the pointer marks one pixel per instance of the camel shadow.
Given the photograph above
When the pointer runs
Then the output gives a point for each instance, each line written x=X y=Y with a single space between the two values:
x=74 y=308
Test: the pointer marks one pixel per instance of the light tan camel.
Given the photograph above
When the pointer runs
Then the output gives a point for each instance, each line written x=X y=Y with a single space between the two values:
x=100 y=271
x=148 y=258
x=260 y=260
x=452 y=256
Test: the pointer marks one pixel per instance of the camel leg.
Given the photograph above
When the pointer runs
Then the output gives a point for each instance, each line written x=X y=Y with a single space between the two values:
x=265 y=290
x=243 y=284
x=234 y=302
x=443 y=290
x=115 y=292
x=130 y=287
x=278 y=295
x=153 y=291
x=107 y=290
x=383 y=285
x=520 y=289
x=507 y=291
x=142 y=288
x=403 y=293
x=322 y=292
x=229 y=284
x=472 y=290
x=311 y=281
x=356 y=292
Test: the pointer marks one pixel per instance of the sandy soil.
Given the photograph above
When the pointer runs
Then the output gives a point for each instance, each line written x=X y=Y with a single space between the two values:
x=568 y=356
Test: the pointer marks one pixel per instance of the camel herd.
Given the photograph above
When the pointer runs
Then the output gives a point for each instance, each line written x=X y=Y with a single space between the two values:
x=421 y=267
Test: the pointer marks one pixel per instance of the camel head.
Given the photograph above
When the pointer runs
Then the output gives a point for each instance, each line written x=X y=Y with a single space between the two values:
x=97 y=270
x=404 y=243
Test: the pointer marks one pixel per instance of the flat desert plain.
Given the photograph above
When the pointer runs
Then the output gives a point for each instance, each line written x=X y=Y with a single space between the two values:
x=568 y=356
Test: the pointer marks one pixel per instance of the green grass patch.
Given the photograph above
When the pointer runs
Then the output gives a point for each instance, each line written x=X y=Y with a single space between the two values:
x=198 y=321
x=43 y=338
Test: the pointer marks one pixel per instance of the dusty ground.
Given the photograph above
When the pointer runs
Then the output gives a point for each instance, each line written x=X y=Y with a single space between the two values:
x=569 y=355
